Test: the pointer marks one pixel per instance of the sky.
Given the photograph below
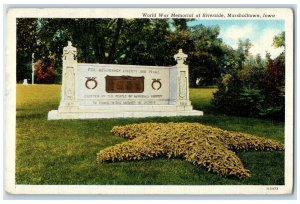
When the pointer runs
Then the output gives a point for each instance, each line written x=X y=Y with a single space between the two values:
x=260 y=33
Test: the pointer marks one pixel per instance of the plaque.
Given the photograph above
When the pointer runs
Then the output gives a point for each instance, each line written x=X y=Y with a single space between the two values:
x=124 y=84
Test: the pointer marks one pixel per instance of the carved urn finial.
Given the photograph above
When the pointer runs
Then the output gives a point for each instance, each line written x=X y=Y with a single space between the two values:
x=69 y=52
x=180 y=57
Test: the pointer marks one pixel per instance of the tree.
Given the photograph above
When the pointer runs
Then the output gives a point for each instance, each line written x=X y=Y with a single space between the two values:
x=206 y=58
x=279 y=40
x=243 y=51
x=145 y=41
x=274 y=87
x=123 y=41
x=180 y=24
x=179 y=38
x=26 y=45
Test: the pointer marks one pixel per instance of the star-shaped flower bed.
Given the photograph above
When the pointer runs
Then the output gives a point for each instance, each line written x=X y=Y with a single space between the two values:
x=199 y=144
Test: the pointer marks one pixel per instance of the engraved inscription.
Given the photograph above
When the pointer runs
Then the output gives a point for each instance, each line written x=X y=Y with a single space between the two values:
x=124 y=84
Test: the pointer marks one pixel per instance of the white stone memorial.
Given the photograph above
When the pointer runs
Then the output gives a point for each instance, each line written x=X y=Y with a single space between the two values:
x=91 y=91
x=25 y=82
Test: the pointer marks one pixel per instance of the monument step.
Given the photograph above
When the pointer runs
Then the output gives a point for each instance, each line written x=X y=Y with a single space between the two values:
x=56 y=115
x=126 y=108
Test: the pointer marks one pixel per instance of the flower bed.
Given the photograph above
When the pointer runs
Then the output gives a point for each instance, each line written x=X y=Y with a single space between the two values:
x=199 y=144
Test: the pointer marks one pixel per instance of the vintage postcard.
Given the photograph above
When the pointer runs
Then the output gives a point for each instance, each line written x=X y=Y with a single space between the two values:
x=149 y=101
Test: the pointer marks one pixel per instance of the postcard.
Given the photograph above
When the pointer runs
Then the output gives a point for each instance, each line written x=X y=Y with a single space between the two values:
x=151 y=101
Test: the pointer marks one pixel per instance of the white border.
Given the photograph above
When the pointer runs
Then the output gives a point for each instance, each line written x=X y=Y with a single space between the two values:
x=12 y=14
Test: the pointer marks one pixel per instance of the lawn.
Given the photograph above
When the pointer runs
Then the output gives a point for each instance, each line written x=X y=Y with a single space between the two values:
x=64 y=152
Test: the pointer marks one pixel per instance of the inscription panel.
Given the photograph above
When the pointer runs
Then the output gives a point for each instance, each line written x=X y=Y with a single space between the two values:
x=124 y=84
x=99 y=84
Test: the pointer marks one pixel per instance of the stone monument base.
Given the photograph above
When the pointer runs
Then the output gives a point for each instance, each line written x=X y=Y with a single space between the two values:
x=124 y=111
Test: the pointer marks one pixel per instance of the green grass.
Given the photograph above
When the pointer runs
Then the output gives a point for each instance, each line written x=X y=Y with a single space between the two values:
x=64 y=151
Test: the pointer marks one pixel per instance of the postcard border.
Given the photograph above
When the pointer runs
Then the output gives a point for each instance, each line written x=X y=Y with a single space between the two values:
x=11 y=187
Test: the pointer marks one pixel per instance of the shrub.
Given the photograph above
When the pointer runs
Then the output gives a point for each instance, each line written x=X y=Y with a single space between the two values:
x=199 y=144
x=45 y=72
x=232 y=98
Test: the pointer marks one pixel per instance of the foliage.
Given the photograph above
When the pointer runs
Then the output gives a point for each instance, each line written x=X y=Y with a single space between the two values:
x=124 y=41
x=206 y=59
x=227 y=99
x=136 y=44
x=199 y=144
x=255 y=87
x=26 y=41
x=45 y=72
x=240 y=93
x=274 y=87
x=279 y=40
x=243 y=51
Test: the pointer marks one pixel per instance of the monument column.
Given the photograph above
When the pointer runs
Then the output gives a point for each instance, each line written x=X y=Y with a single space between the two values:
x=182 y=92
x=69 y=83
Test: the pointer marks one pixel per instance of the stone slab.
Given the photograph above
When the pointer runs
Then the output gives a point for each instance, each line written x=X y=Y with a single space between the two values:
x=56 y=115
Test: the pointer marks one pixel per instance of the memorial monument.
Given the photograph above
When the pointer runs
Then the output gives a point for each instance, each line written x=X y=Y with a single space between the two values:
x=91 y=91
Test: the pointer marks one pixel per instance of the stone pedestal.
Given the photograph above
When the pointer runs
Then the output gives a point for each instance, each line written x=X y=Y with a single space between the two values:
x=68 y=101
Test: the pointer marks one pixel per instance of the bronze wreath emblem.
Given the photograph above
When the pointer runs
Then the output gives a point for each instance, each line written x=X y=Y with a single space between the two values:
x=91 y=79
x=156 y=81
